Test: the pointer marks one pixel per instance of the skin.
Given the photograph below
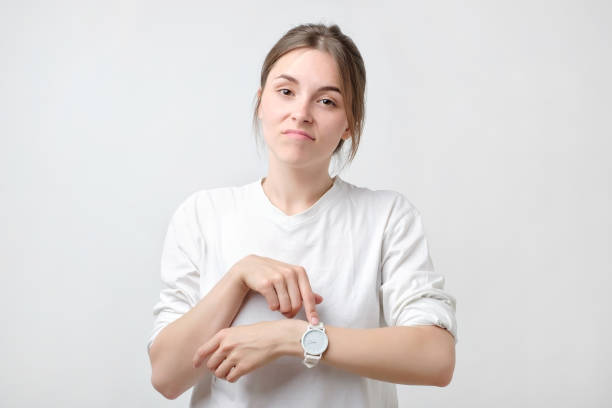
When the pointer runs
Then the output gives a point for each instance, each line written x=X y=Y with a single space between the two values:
x=297 y=177
x=286 y=287
x=410 y=355
x=298 y=169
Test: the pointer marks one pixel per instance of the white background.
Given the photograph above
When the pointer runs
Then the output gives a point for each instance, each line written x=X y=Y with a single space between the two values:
x=492 y=117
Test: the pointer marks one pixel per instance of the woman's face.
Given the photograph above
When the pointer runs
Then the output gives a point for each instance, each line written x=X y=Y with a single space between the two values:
x=299 y=94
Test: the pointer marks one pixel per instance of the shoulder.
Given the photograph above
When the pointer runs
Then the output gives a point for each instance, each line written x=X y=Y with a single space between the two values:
x=211 y=201
x=389 y=209
x=385 y=200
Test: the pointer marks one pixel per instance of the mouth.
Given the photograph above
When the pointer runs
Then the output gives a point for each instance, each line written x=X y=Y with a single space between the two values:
x=298 y=133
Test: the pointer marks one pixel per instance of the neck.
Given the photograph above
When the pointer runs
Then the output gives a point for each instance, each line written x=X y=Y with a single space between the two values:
x=294 y=191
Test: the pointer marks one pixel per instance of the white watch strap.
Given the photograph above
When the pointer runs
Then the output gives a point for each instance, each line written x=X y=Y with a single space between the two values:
x=311 y=360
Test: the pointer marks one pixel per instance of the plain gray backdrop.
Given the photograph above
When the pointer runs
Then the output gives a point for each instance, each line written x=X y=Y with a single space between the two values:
x=493 y=117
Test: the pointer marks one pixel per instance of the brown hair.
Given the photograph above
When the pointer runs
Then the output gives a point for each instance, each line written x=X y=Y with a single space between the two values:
x=329 y=39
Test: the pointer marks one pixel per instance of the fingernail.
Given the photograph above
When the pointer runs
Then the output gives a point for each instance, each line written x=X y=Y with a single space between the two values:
x=315 y=320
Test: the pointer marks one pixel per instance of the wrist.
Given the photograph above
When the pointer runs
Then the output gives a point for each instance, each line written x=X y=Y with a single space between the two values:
x=236 y=279
x=291 y=336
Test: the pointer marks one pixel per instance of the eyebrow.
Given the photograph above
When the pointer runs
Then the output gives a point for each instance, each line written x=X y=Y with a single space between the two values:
x=323 y=88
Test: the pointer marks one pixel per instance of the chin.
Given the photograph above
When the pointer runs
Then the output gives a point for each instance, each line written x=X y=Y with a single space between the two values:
x=294 y=159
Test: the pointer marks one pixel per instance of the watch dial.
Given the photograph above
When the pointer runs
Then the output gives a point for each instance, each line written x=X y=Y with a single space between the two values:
x=315 y=342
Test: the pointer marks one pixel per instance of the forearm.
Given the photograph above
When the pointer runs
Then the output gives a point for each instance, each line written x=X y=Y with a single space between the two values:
x=418 y=355
x=172 y=350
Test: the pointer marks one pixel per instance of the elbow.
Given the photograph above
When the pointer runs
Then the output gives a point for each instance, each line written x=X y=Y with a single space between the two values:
x=160 y=383
x=165 y=389
x=444 y=378
x=445 y=373
x=444 y=352
x=162 y=387
x=170 y=384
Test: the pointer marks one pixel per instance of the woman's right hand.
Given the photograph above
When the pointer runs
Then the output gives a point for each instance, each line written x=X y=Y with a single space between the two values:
x=286 y=287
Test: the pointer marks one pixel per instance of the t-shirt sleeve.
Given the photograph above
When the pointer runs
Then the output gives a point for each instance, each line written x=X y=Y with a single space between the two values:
x=411 y=292
x=180 y=274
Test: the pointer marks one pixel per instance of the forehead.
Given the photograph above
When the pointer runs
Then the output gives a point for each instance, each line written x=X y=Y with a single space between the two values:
x=308 y=65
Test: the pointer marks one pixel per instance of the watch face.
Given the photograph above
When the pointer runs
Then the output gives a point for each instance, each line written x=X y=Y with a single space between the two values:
x=314 y=341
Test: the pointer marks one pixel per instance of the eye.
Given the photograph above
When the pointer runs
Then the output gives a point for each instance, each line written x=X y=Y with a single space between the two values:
x=329 y=101
x=329 y=104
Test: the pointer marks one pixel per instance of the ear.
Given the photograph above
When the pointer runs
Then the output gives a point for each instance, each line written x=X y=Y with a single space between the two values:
x=259 y=108
x=347 y=134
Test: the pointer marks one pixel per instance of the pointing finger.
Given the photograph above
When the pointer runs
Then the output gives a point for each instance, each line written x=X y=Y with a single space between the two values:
x=308 y=297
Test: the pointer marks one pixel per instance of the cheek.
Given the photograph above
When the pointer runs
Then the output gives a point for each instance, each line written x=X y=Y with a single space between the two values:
x=269 y=106
x=336 y=126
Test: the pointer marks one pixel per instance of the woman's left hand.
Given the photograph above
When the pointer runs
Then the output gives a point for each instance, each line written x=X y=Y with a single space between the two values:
x=235 y=351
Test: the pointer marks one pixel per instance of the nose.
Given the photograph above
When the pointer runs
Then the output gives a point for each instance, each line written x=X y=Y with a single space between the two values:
x=301 y=112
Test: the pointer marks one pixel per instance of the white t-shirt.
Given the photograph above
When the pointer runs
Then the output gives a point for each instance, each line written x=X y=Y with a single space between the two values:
x=364 y=251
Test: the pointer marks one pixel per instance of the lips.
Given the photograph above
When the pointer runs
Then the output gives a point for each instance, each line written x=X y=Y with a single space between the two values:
x=299 y=132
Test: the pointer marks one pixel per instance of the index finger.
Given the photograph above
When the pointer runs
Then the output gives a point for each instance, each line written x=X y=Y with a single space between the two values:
x=308 y=297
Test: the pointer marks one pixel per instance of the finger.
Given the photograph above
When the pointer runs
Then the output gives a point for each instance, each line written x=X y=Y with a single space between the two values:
x=267 y=290
x=224 y=368
x=215 y=360
x=281 y=293
x=318 y=299
x=205 y=350
x=294 y=293
x=308 y=297
x=234 y=374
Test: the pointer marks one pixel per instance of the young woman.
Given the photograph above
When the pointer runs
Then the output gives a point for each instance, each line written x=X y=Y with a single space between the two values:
x=301 y=289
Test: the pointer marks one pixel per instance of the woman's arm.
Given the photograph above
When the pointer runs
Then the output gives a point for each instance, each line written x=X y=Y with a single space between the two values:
x=172 y=350
x=416 y=355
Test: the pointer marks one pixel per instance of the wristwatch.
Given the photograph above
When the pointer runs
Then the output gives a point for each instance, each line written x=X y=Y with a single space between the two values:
x=314 y=343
